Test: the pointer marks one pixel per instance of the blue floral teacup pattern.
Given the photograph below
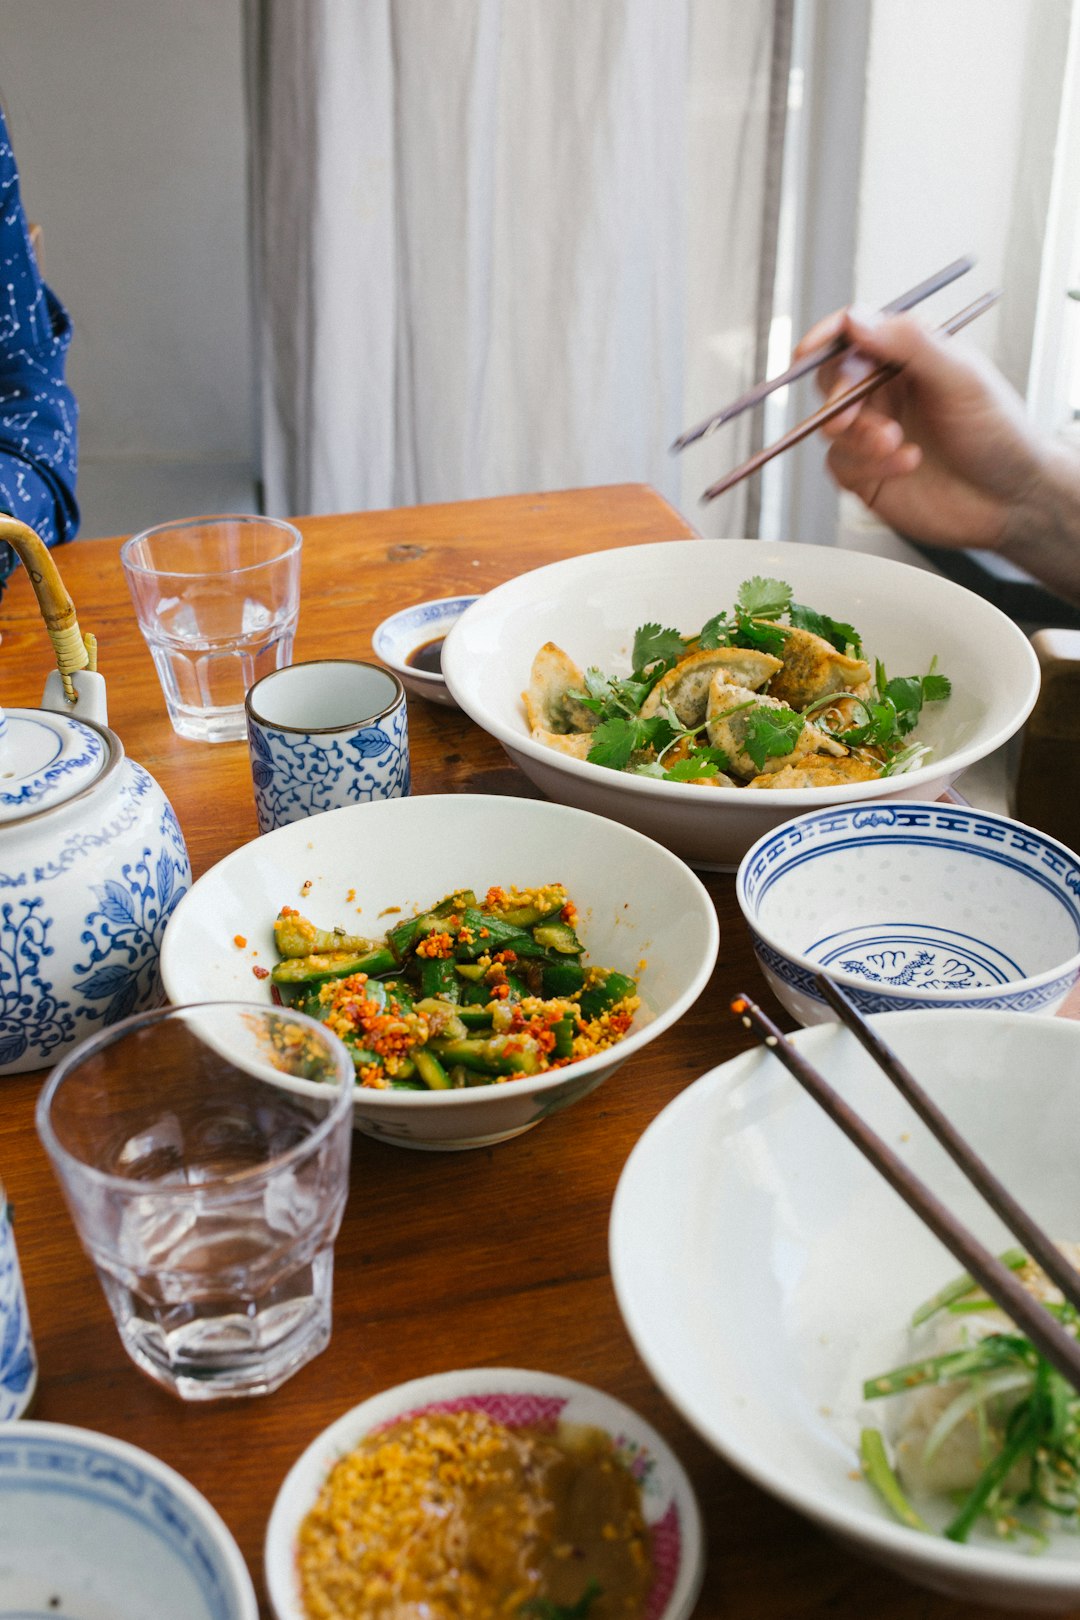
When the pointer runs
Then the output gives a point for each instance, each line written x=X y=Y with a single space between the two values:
x=326 y=734
x=18 y=1367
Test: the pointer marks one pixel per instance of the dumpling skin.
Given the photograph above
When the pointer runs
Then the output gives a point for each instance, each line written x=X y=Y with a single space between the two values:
x=812 y=668
x=574 y=743
x=818 y=770
x=686 y=687
x=548 y=703
x=727 y=730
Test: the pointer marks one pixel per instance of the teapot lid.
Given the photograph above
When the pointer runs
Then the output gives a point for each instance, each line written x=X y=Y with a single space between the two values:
x=45 y=760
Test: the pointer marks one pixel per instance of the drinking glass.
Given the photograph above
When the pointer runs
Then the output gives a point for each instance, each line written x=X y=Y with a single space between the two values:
x=217 y=600
x=204 y=1155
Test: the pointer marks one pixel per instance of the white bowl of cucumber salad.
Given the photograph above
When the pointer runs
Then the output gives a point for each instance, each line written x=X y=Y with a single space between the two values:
x=371 y=870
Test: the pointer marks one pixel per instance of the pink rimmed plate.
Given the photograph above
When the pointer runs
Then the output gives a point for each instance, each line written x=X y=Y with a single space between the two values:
x=515 y=1397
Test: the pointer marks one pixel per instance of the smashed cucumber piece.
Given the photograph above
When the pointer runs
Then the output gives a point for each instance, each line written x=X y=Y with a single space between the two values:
x=430 y=1070
x=297 y=976
x=599 y=998
x=558 y=936
x=407 y=935
x=562 y=977
x=498 y=1054
x=438 y=977
x=295 y=936
x=527 y=916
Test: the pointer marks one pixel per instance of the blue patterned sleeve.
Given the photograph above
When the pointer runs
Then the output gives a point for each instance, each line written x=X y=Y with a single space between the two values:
x=38 y=413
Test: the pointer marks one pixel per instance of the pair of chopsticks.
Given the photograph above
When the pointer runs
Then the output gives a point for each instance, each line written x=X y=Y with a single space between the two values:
x=1046 y=1333
x=818 y=357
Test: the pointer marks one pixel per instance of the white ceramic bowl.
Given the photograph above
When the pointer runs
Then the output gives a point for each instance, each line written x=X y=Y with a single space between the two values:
x=798 y=1266
x=592 y=605
x=637 y=904
x=399 y=636
x=93 y=1527
x=913 y=905
x=515 y=1397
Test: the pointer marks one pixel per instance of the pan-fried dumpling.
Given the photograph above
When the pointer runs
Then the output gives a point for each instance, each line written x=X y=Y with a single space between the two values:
x=729 y=711
x=817 y=770
x=548 y=703
x=812 y=669
x=574 y=743
x=686 y=687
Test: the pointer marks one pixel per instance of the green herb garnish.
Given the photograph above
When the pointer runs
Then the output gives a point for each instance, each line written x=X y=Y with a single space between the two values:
x=844 y=637
x=542 y=1608
x=764 y=598
x=771 y=733
x=652 y=646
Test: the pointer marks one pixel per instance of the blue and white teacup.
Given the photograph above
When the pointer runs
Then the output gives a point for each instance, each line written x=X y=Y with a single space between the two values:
x=323 y=735
x=18 y=1365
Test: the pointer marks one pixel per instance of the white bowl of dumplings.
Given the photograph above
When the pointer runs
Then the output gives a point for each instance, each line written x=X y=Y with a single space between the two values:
x=590 y=607
x=766 y=1272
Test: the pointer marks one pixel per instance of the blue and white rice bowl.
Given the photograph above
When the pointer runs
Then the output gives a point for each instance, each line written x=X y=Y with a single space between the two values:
x=913 y=905
x=92 y=1526
x=399 y=636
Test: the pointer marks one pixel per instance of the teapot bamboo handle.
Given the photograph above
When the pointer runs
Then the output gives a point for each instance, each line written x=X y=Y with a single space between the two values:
x=73 y=651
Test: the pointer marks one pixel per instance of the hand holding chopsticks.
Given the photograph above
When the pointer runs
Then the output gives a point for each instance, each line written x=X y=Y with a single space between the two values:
x=1048 y=1336
x=819 y=356
x=840 y=403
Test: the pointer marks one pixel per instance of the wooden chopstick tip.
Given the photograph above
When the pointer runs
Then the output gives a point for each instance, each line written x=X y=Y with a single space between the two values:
x=751 y=1017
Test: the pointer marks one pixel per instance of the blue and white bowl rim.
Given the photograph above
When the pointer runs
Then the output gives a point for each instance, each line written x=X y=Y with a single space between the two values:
x=881 y=812
x=389 y=638
x=123 y=1478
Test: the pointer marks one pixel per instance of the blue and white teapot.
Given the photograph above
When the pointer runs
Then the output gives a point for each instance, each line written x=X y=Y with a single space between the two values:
x=92 y=859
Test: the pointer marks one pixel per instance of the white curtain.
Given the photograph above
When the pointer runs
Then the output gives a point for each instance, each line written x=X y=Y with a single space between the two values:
x=503 y=245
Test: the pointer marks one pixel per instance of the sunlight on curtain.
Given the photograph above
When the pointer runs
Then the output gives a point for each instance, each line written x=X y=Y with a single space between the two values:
x=503 y=246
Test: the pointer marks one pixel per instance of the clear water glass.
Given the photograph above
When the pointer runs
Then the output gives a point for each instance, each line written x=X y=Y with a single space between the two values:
x=204 y=1155
x=217 y=600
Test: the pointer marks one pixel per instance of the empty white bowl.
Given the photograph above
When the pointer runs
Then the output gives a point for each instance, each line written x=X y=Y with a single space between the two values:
x=640 y=910
x=592 y=605
x=515 y=1397
x=764 y=1269
x=95 y=1528
x=402 y=635
x=913 y=905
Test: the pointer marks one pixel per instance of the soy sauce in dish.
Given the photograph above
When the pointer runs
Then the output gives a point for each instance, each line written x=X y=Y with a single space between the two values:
x=428 y=656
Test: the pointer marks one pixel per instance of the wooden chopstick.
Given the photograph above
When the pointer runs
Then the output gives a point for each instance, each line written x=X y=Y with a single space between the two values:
x=1036 y=1242
x=1044 y=1330
x=818 y=357
x=803 y=430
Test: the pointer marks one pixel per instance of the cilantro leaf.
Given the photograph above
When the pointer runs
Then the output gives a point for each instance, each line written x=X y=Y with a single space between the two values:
x=542 y=1608
x=834 y=631
x=936 y=688
x=613 y=743
x=771 y=733
x=698 y=762
x=654 y=645
x=880 y=728
x=596 y=683
x=764 y=598
x=906 y=693
x=766 y=638
x=717 y=632
x=615 y=740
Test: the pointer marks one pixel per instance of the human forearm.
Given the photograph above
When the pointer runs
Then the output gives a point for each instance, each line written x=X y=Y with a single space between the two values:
x=1042 y=530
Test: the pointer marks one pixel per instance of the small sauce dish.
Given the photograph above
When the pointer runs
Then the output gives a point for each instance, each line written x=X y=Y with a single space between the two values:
x=410 y=642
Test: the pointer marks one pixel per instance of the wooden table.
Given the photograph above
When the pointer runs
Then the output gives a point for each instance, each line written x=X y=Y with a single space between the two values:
x=497 y=1256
